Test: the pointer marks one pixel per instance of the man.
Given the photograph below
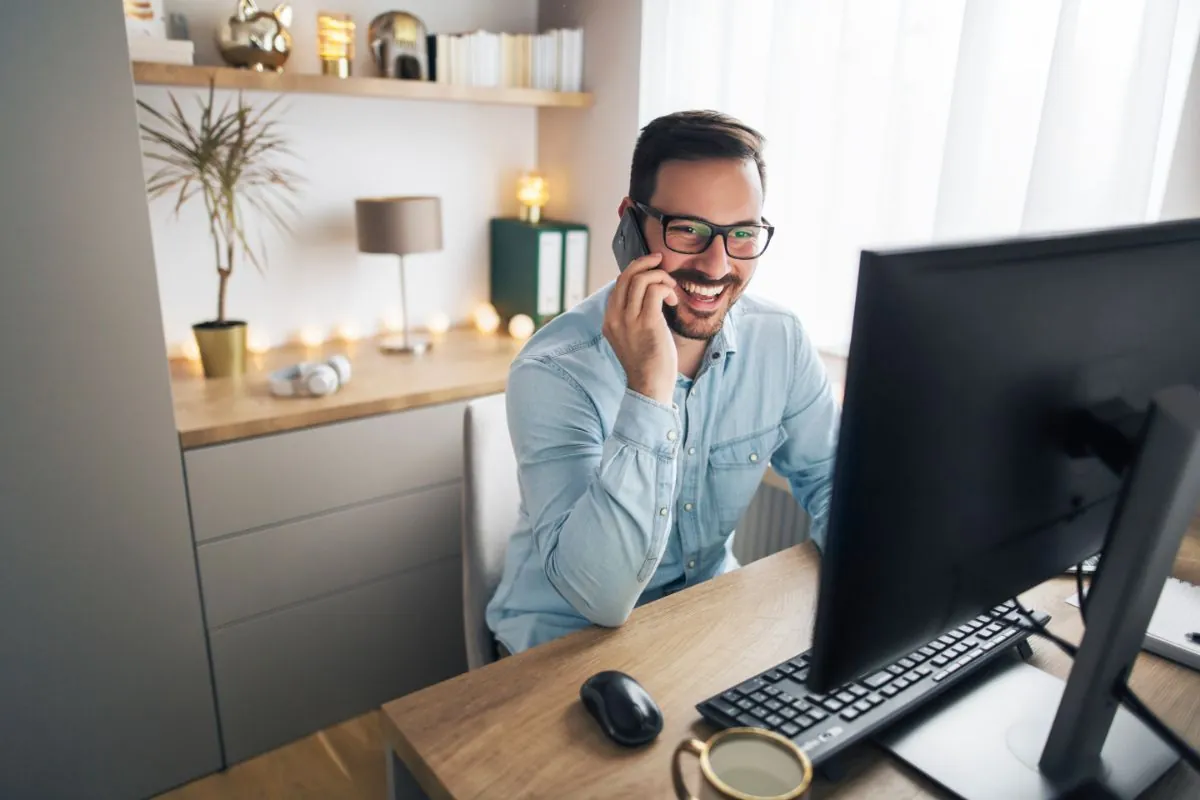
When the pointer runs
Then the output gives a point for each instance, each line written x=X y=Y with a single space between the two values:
x=644 y=418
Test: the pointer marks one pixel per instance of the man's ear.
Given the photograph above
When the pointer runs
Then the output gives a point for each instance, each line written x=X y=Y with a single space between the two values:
x=625 y=203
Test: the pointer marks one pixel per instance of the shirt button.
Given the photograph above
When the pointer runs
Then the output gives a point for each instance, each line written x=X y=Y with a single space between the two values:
x=662 y=512
x=671 y=436
x=754 y=456
x=692 y=564
x=687 y=506
x=691 y=451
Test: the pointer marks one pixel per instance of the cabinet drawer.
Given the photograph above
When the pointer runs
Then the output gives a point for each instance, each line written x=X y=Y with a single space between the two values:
x=273 y=567
x=286 y=675
x=242 y=485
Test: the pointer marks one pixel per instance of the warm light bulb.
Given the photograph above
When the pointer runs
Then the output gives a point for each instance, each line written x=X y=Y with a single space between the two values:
x=258 y=343
x=312 y=336
x=520 y=327
x=532 y=192
x=438 y=323
x=190 y=350
x=349 y=332
x=486 y=318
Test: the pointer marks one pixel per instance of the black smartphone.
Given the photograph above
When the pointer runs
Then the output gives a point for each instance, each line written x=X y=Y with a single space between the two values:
x=628 y=242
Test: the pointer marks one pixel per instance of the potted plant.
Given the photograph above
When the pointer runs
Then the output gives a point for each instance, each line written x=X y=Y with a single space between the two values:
x=225 y=160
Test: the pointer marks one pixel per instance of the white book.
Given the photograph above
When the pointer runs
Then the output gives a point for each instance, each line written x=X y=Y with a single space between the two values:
x=550 y=247
x=575 y=269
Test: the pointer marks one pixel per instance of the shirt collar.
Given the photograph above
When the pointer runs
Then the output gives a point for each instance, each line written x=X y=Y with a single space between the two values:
x=726 y=339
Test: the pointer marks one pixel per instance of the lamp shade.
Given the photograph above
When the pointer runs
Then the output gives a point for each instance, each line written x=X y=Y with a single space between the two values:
x=399 y=225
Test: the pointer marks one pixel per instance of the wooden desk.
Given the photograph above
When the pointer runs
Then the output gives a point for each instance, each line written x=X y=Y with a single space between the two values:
x=517 y=729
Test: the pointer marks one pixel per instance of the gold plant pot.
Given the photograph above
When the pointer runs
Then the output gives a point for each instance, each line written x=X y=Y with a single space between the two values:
x=222 y=347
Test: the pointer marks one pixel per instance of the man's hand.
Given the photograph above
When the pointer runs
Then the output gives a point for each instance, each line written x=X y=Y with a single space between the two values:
x=637 y=330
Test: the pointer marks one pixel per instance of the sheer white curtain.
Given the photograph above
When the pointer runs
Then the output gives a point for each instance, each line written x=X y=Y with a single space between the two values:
x=910 y=121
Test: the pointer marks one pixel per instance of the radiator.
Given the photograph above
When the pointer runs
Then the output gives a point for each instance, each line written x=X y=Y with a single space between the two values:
x=773 y=522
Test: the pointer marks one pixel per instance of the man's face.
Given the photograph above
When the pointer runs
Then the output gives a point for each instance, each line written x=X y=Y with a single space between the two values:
x=724 y=192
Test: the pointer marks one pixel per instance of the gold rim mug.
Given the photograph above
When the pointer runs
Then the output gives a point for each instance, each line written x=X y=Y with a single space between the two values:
x=719 y=786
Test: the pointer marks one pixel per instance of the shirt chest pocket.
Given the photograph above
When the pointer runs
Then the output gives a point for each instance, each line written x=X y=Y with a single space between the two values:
x=735 y=470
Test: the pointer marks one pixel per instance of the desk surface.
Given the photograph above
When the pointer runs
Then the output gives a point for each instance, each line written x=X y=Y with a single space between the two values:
x=517 y=728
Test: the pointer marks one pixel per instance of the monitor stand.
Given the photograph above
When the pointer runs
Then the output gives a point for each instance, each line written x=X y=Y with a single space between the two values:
x=1023 y=733
x=984 y=740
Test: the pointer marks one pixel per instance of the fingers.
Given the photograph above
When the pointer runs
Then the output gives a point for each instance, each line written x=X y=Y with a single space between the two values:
x=620 y=293
x=656 y=295
x=641 y=285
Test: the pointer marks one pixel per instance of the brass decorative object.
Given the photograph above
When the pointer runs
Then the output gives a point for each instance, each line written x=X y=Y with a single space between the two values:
x=254 y=39
x=532 y=193
x=399 y=46
x=335 y=43
x=222 y=347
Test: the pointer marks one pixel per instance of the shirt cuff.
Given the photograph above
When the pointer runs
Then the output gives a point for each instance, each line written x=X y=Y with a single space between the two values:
x=648 y=424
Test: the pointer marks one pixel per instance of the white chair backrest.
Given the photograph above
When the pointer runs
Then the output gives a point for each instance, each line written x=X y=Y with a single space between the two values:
x=491 y=506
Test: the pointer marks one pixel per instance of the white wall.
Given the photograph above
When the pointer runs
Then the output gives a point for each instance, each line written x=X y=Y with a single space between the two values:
x=585 y=155
x=1181 y=198
x=351 y=147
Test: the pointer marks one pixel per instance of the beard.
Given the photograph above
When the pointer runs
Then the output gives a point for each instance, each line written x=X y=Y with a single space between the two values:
x=702 y=326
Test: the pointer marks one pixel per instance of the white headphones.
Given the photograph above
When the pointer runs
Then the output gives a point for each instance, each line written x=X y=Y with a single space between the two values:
x=311 y=379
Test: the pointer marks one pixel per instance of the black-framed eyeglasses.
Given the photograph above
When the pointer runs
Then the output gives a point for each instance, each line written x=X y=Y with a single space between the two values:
x=692 y=235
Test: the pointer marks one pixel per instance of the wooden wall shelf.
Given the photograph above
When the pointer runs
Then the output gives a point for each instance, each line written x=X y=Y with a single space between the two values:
x=152 y=74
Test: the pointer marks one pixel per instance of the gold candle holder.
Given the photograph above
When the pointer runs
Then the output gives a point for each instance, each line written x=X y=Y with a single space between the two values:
x=335 y=43
x=532 y=193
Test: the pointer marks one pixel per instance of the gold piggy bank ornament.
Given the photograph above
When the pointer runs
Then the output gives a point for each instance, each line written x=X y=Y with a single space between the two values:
x=255 y=39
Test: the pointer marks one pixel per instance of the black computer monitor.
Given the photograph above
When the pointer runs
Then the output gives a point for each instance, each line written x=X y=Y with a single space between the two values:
x=995 y=417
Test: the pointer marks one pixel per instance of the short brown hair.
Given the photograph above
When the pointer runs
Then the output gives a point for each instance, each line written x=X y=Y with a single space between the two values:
x=691 y=136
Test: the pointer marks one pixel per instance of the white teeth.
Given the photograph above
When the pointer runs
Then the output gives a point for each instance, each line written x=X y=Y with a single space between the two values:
x=705 y=291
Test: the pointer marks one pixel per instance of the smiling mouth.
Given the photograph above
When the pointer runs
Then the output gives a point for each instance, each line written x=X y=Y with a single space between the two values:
x=703 y=296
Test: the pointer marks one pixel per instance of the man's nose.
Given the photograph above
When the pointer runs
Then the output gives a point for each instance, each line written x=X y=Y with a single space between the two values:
x=713 y=261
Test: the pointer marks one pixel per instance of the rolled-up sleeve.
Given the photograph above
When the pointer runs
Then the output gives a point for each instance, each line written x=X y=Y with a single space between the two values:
x=600 y=507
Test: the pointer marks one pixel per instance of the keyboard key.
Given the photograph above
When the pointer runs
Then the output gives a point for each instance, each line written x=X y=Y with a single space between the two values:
x=895 y=669
x=801 y=706
x=771 y=691
x=816 y=713
x=863 y=706
x=745 y=704
x=834 y=705
x=760 y=712
x=786 y=668
x=900 y=684
x=774 y=705
x=787 y=712
x=927 y=651
x=773 y=676
x=725 y=708
x=984 y=619
x=946 y=639
x=889 y=691
x=939 y=660
x=967 y=630
x=747 y=721
x=907 y=663
x=845 y=697
x=759 y=697
x=731 y=697
x=800 y=675
x=857 y=690
x=873 y=699
x=917 y=657
x=937 y=644
x=775 y=720
x=800 y=662
x=987 y=645
x=850 y=714
x=815 y=698
x=984 y=634
x=878 y=679
x=785 y=698
x=956 y=634
x=977 y=652
x=953 y=668
x=940 y=676
x=925 y=669
x=751 y=686
x=789 y=729
x=912 y=677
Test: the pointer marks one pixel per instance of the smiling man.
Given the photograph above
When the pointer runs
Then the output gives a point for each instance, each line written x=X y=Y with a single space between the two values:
x=643 y=419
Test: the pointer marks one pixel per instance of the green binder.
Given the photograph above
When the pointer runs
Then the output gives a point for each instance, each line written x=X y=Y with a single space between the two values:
x=537 y=268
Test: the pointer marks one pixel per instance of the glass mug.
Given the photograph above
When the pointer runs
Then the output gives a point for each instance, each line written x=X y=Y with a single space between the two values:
x=745 y=764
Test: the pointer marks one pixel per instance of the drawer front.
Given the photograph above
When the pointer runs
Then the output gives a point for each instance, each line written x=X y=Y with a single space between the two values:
x=257 y=482
x=286 y=675
x=270 y=568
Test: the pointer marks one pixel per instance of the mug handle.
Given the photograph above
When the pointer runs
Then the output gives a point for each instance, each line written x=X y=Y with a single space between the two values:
x=693 y=746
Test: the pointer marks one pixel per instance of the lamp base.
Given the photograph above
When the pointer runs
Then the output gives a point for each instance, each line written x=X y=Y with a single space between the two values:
x=405 y=345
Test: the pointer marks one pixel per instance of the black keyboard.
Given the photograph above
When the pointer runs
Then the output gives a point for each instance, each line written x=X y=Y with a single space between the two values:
x=825 y=724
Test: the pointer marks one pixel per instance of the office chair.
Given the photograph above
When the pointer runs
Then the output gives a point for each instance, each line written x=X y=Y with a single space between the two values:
x=491 y=503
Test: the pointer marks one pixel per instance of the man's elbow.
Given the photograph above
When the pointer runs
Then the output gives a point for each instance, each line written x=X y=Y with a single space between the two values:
x=608 y=615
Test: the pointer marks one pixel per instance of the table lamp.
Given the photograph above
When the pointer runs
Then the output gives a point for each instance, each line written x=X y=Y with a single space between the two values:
x=400 y=226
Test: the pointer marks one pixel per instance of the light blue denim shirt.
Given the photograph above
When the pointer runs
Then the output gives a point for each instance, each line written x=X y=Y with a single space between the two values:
x=625 y=499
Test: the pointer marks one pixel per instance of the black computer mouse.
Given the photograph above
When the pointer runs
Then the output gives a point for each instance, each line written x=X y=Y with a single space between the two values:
x=623 y=709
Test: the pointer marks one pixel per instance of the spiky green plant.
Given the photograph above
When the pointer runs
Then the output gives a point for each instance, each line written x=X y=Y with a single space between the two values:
x=226 y=159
